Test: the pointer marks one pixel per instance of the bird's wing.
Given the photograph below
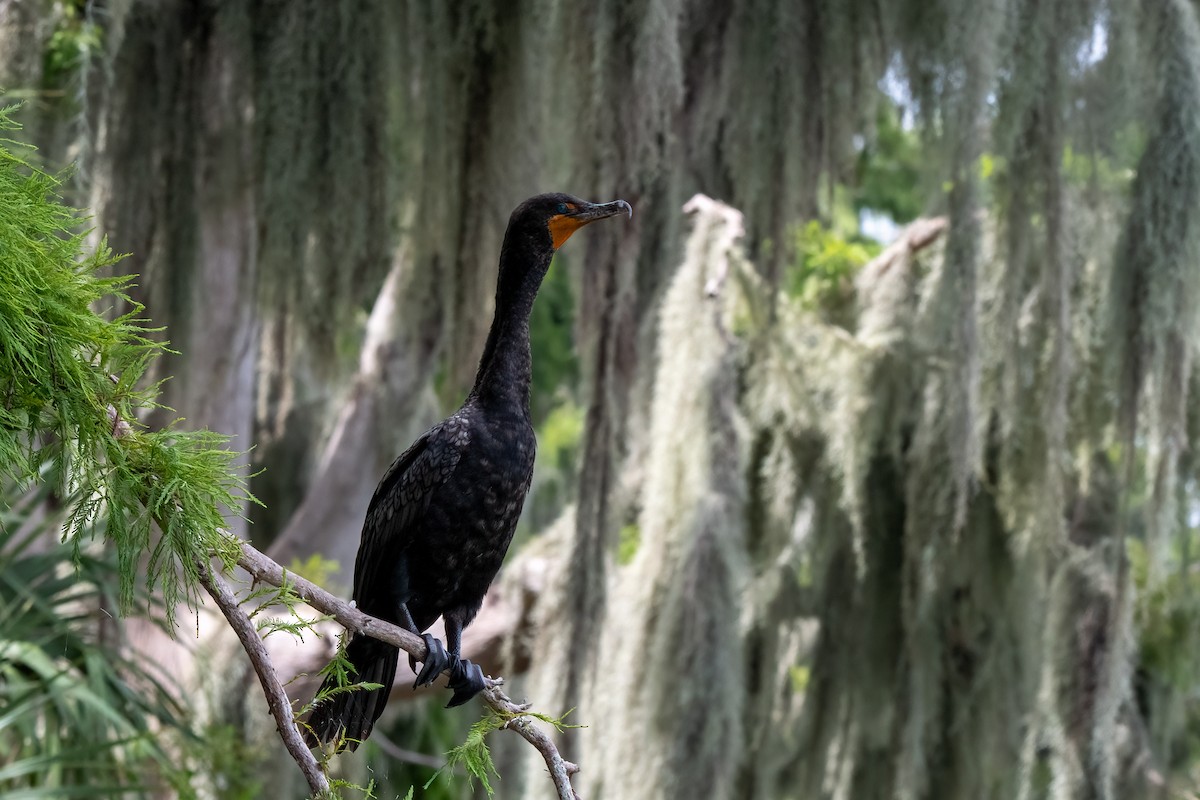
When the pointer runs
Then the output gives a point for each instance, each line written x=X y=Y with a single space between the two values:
x=402 y=497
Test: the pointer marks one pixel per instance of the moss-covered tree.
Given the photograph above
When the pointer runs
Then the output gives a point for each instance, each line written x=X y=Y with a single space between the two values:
x=945 y=474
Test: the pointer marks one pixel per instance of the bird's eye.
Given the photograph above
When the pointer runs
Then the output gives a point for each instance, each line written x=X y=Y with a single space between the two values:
x=562 y=208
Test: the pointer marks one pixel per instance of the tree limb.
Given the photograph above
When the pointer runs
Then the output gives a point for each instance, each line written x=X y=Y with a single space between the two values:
x=561 y=770
x=277 y=701
x=262 y=568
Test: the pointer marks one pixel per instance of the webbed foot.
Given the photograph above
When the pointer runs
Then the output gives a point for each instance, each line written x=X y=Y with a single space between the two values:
x=436 y=662
x=466 y=679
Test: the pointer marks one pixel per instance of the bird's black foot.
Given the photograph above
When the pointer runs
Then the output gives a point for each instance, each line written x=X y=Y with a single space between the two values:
x=437 y=661
x=466 y=679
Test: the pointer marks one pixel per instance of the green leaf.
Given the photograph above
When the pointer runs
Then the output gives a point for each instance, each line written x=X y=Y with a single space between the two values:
x=474 y=754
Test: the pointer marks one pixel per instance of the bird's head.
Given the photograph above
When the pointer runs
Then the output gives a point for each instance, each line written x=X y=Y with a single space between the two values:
x=552 y=218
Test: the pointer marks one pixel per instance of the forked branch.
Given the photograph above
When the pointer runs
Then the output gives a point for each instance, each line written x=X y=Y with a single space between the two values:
x=262 y=568
x=277 y=701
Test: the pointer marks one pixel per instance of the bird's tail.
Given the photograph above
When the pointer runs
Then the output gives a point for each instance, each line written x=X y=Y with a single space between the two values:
x=350 y=715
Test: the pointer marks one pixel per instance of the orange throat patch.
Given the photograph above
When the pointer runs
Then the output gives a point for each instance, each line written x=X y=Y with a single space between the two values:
x=561 y=227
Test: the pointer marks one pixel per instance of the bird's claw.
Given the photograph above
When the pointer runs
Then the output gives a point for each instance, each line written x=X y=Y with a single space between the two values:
x=466 y=679
x=437 y=661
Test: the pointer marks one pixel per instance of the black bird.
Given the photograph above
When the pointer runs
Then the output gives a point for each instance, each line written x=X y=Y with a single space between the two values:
x=443 y=515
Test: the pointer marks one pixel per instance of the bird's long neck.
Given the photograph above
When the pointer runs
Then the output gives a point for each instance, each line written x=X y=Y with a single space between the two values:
x=506 y=368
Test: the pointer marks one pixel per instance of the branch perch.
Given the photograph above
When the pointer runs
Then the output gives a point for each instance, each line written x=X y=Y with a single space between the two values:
x=277 y=701
x=262 y=568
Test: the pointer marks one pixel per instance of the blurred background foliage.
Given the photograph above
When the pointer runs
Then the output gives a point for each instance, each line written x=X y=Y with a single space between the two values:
x=81 y=718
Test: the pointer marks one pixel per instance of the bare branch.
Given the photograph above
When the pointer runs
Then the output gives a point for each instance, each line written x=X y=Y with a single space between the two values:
x=263 y=569
x=408 y=756
x=277 y=701
x=521 y=723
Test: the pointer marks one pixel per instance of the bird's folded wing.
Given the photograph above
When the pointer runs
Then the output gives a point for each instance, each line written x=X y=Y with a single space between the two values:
x=403 y=496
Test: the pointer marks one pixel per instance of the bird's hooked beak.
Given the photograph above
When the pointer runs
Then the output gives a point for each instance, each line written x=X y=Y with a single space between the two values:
x=563 y=225
x=594 y=211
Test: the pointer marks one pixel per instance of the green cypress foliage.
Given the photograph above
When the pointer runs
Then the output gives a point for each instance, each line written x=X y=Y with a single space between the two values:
x=71 y=391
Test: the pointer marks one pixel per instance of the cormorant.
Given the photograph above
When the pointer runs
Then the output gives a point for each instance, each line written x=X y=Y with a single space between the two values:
x=443 y=515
